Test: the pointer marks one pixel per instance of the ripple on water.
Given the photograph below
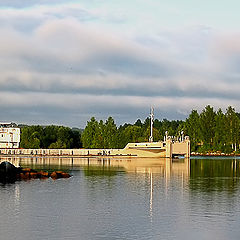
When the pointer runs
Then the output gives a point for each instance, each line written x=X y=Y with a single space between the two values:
x=154 y=203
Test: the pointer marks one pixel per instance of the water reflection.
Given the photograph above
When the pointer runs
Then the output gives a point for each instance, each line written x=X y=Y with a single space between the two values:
x=124 y=199
x=98 y=166
x=211 y=175
x=151 y=196
x=199 y=174
x=168 y=168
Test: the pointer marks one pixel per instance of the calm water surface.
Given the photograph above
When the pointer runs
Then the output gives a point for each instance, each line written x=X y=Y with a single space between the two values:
x=124 y=199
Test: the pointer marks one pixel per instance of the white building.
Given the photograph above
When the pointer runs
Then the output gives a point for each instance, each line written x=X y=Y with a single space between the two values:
x=9 y=135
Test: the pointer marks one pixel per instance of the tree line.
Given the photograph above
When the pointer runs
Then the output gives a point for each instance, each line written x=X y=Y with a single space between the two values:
x=99 y=134
x=214 y=130
x=50 y=137
x=208 y=130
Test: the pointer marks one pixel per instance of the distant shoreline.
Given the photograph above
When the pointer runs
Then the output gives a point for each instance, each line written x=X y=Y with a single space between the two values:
x=215 y=154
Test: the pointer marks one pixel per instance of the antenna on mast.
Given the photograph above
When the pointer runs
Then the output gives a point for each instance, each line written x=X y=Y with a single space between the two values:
x=151 y=124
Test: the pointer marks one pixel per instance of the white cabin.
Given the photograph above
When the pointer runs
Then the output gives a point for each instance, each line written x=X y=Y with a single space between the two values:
x=9 y=135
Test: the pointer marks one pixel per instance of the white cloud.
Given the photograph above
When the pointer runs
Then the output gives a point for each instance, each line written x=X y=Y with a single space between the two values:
x=66 y=61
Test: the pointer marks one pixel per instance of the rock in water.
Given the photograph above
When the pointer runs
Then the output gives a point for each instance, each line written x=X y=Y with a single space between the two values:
x=59 y=174
x=8 y=172
x=6 y=168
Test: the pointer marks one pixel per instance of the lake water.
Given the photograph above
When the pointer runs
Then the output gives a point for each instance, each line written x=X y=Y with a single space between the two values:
x=124 y=199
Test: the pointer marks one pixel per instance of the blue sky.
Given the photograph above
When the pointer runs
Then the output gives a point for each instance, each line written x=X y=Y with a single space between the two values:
x=63 y=62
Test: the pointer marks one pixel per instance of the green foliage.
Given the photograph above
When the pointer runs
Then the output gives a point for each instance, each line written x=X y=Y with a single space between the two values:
x=192 y=127
x=214 y=131
x=156 y=134
x=92 y=135
x=107 y=135
x=49 y=137
x=99 y=134
x=207 y=125
x=233 y=127
x=133 y=134
x=220 y=137
x=31 y=137
x=208 y=131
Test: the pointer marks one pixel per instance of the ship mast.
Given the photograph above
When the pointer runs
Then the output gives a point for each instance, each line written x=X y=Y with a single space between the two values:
x=151 y=124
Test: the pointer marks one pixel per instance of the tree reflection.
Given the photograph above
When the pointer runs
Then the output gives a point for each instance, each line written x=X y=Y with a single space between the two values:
x=210 y=175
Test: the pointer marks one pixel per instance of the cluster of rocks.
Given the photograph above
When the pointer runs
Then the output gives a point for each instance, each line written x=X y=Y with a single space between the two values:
x=10 y=173
x=27 y=173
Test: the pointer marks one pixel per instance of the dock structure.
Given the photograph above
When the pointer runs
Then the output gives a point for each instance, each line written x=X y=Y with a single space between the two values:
x=168 y=148
x=162 y=149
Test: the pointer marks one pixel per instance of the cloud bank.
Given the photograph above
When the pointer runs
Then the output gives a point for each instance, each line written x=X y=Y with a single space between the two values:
x=64 y=63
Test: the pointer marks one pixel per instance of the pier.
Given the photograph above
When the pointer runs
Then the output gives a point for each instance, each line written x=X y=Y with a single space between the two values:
x=163 y=149
x=170 y=147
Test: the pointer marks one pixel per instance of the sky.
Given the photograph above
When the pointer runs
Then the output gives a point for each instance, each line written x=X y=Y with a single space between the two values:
x=62 y=62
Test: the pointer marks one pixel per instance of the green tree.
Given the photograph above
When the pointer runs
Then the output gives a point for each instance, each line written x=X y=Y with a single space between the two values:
x=110 y=133
x=233 y=127
x=31 y=137
x=220 y=138
x=64 y=136
x=207 y=126
x=50 y=136
x=133 y=134
x=192 y=127
x=90 y=134
x=138 y=123
x=156 y=135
